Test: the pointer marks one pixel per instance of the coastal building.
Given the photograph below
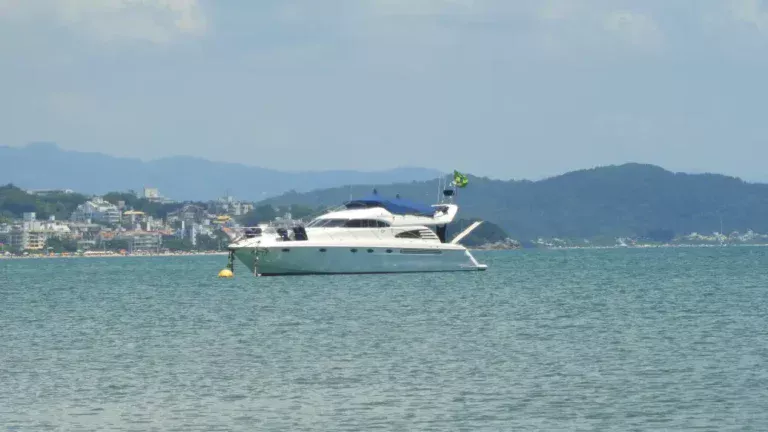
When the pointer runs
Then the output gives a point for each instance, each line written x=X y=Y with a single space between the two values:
x=231 y=206
x=191 y=232
x=47 y=192
x=133 y=216
x=16 y=238
x=56 y=229
x=22 y=239
x=84 y=231
x=29 y=221
x=86 y=244
x=151 y=193
x=5 y=234
x=239 y=208
x=97 y=210
x=141 y=240
x=188 y=213
x=36 y=240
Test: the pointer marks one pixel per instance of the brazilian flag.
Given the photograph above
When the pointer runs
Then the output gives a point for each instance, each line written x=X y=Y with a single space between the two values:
x=459 y=179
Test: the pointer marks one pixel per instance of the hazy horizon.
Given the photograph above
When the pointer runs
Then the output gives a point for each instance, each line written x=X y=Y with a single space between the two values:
x=508 y=90
x=420 y=169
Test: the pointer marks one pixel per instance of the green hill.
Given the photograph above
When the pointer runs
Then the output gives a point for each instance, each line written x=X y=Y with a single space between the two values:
x=14 y=202
x=625 y=200
x=486 y=233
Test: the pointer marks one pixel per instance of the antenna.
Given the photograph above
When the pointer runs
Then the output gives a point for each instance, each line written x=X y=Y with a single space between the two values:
x=721 y=223
x=440 y=186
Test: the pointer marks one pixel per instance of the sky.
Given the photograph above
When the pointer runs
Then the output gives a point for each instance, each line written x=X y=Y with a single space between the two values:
x=498 y=88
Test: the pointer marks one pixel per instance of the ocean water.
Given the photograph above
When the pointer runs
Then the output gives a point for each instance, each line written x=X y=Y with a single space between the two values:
x=665 y=339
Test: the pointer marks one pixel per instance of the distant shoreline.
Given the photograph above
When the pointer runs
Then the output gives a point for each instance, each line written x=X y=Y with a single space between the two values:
x=664 y=246
x=474 y=249
x=114 y=255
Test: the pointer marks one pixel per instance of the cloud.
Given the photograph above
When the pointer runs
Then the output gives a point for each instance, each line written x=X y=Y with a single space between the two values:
x=423 y=7
x=553 y=26
x=156 y=21
x=555 y=10
x=750 y=12
x=566 y=28
x=635 y=28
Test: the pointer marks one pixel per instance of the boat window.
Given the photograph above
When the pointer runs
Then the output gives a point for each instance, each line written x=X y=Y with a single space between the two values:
x=421 y=251
x=414 y=234
x=327 y=223
x=370 y=250
x=353 y=250
x=347 y=223
x=365 y=223
x=335 y=223
x=322 y=250
x=316 y=222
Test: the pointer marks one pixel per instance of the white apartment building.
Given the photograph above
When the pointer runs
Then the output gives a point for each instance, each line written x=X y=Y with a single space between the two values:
x=141 y=241
x=27 y=240
x=97 y=210
x=229 y=205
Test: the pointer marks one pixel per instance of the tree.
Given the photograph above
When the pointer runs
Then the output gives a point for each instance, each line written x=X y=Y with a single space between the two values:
x=117 y=245
x=299 y=211
x=151 y=208
x=261 y=214
x=129 y=199
x=59 y=245
x=209 y=243
x=175 y=244
x=15 y=201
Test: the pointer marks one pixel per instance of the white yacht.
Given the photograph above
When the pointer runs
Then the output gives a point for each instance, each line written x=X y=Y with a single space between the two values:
x=369 y=235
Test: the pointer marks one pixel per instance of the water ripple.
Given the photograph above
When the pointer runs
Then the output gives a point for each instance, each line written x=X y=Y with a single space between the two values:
x=553 y=340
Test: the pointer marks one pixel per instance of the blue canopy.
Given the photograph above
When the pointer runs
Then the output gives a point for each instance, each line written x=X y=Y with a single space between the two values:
x=393 y=205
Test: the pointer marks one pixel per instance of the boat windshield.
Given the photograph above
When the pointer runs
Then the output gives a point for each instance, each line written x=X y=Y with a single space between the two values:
x=347 y=223
x=327 y=223
x=366 y=223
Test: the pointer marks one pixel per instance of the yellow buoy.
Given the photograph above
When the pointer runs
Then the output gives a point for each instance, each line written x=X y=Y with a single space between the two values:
x=226 y=273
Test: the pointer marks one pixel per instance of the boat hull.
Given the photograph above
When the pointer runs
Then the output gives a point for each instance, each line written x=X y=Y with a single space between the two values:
x=275 y=261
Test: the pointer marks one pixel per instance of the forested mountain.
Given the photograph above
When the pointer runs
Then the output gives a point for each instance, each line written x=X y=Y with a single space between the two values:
x=182 y=178
x=623 y=200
